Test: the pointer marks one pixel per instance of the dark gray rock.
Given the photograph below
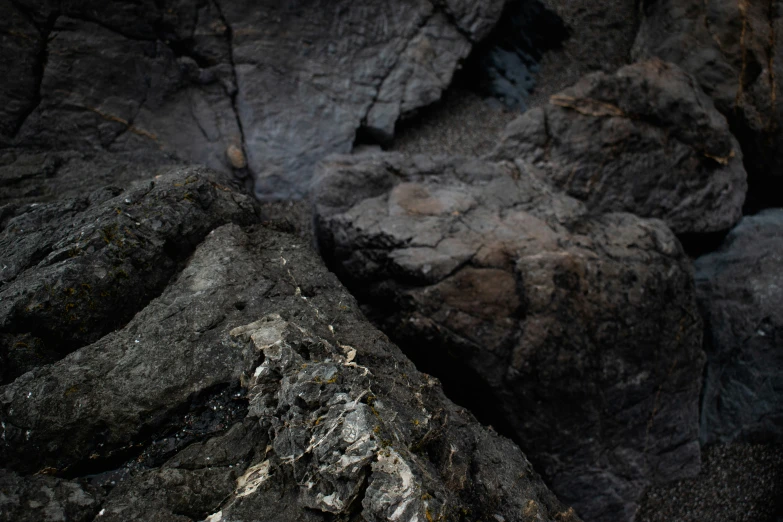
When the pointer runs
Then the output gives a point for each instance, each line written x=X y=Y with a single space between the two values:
x=267 y=89
x=581 y=329
x=733 y=50
x=253 y=388
x=45 y=498
x=740 y=290
x=21 y=62
x=337 y=67
x=74 y=270
x=644 y=140
x=102 y=89
x=38 y=176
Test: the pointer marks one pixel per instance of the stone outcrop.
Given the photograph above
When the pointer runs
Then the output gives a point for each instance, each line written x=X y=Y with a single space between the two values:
x=740 y=289
x=250 y=388
x=76 y=269
x=580 y=329
x=645 y=140
x=733 y=49
x=262 y=88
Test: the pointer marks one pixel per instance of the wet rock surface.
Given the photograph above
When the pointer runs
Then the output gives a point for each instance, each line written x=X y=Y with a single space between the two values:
x=579 y=330
x=252 y=388
x=733 y=50
x=207 y=81
x=644 y=140
x=740 y=288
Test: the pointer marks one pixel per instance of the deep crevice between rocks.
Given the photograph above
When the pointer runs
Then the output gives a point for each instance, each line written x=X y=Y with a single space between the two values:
x=504 y=65
x=435 y=356
x=500 y=70
x=242 y=171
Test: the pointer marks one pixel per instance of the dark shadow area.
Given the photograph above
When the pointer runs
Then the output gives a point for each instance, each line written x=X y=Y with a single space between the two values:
x=765 y=189
x=461 y=384
x=505 y=64
x=368 y=137
x=697 y=245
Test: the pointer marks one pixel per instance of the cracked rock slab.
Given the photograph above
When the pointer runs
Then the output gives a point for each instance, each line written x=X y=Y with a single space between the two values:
x=644 y=140
x=578 y=332
x=740 y=288
x=263 y=89
x=326 y=417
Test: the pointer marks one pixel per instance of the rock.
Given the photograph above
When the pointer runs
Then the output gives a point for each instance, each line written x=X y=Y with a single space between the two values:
x=253 y=388
x=733 y=50
x=580 y=330
x=196 y=81
x=644 y=140
x=38 y=176
x=77 y=269
x=45 y=498
x=104 y=90
x=337 y=68
x=22 y=47
x=740 y=288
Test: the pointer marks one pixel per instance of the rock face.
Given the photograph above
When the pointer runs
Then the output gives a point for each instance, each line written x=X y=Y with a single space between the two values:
x=644 y=140
x=251 y=388
x=581 y=328
x=266 y=87
x=740 y=288
x=75 y=270
x=733 y=49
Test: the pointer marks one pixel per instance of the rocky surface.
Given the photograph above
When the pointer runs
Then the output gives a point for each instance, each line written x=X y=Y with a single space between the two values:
x=644 y=140
x=251 y=388
x=740 y=288
x=74 y=270
x=163 y=356
x=577 y=332
x=195 y=80
x=733 y=49
x=738 y=482
x=45 y=498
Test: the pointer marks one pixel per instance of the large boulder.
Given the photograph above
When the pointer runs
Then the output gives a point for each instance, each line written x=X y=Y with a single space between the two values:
x=252 y=388
x=579 y=329
x=267 y=88
x=76 y=269
x=645 y=140
x=732 y=48
x=740 y=291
